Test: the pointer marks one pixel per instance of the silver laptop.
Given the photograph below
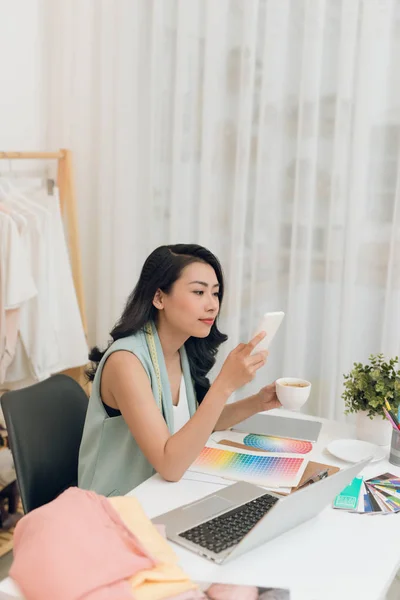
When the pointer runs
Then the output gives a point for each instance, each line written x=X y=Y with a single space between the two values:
x=227 y=523
x=297 y=429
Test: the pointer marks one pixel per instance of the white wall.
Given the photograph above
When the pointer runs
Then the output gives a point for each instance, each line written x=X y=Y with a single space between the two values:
x=22 y=86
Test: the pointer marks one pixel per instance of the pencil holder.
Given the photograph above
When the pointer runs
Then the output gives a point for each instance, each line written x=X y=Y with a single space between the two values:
x=394 y=456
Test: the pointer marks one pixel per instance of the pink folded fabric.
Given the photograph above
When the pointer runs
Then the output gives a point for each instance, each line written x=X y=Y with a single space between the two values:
x=76 y=548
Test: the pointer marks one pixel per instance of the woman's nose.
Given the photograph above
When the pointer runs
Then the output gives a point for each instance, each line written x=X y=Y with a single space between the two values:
x=212 y=303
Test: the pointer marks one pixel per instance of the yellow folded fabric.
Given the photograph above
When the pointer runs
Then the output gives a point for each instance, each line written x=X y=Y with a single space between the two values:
x=162 y=590
x=164 y=580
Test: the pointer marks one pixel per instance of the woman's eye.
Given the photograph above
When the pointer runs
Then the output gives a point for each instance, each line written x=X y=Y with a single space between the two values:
x=201 y=293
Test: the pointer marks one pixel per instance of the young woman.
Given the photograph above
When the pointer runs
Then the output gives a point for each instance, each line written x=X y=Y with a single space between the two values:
x=152 y=406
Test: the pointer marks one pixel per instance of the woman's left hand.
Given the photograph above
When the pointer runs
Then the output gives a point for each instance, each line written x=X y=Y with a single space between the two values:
x=268 y=397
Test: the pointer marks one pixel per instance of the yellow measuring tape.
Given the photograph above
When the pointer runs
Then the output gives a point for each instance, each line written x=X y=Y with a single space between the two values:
x=154 y=359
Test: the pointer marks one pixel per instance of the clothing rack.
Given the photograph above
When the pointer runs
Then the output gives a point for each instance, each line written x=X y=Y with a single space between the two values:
x=66 y=186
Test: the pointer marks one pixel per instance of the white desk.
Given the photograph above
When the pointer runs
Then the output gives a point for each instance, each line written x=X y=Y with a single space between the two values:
x=335 y=555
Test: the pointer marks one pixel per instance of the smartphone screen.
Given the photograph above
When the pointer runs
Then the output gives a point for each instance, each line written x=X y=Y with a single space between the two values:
x=269 y=323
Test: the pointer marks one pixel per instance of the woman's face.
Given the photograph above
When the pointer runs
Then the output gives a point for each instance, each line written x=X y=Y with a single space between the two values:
x=193 y=303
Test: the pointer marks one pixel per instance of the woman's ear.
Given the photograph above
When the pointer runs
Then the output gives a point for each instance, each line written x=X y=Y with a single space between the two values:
x=158 y=300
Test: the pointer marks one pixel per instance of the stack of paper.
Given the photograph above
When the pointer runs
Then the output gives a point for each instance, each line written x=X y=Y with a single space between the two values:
x=275 y=463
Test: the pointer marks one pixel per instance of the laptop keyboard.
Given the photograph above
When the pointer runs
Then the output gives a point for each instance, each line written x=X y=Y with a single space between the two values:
x=228 y=529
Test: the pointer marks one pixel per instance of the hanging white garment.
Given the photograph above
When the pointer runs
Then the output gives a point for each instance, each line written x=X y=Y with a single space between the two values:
x=16 y=283
x=51 y=336
x=70 y=335
x=36 y=350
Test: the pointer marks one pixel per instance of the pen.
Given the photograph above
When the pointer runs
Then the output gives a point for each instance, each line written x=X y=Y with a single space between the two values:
x=390 y=418
x=391 y=413
x=314 y=478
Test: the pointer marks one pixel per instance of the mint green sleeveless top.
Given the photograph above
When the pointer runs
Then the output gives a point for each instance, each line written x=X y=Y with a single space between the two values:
x=110 y=461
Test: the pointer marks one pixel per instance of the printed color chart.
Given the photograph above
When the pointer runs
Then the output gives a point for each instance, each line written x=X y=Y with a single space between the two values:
x=263 y=470
x=277 y=444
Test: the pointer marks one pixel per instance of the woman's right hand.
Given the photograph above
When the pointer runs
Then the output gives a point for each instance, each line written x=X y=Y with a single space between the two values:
x=241 y=366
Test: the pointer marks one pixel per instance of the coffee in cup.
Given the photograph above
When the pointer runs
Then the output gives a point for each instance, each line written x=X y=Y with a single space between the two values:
x=292 y=392
x=296 y=384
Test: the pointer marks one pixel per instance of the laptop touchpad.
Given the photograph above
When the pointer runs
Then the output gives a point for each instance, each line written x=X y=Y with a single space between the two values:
x=209 y=507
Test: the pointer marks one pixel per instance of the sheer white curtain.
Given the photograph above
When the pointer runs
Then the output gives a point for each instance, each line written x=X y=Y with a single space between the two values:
x=267 y=130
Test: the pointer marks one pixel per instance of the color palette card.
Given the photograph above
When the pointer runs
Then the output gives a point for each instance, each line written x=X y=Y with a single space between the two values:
x=348 y=498
x=273 y=471
x=269 y=443
x=262 y=443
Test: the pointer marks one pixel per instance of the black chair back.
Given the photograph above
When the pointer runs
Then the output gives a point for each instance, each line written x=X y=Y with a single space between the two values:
x=45 y=423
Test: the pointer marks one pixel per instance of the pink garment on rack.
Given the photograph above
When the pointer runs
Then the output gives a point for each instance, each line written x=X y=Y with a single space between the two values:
x=9 y=320
x=11 y=329
x=76 y=547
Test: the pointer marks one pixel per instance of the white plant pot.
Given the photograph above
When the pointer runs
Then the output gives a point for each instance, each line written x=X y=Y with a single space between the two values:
x=375 y=430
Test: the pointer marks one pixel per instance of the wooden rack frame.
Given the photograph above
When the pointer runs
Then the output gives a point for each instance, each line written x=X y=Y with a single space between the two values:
x=66 y=185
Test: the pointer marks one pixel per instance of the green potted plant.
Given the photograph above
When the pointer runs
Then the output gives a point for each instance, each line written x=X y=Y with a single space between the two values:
x=366 y=388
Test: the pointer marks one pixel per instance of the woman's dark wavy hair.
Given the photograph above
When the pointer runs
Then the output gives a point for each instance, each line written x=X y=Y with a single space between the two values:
x=160 y=271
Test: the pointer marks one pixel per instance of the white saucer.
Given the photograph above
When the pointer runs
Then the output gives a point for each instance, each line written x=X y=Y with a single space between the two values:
x=355 y=450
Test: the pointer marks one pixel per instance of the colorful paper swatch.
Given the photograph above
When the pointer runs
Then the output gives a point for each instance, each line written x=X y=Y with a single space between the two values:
x=348 y=498
x=254 y=468
x=269 y=443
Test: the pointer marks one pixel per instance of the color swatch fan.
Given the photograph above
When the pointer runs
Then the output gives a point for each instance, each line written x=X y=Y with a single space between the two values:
x=378 y=495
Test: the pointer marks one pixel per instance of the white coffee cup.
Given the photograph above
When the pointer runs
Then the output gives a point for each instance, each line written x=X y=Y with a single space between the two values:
x=292 y=392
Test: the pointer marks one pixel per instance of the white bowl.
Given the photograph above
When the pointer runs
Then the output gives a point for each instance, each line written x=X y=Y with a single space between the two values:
x=291 y=396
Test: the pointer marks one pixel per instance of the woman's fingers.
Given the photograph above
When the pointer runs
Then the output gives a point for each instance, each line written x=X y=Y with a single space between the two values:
x=258 y=358
x=249 y=347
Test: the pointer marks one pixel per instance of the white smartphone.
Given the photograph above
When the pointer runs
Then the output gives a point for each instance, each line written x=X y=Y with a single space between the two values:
x=269 y=323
